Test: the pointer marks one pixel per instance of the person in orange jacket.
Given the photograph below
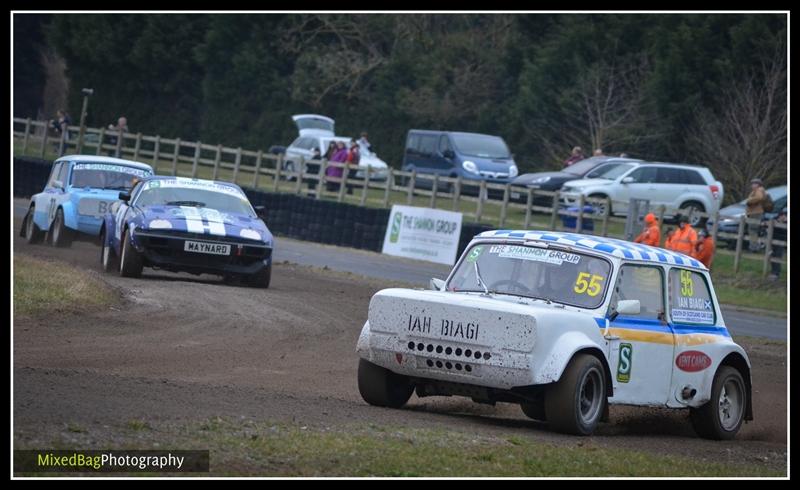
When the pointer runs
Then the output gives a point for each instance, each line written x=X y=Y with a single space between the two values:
x=704 y=250
x=651 y=234
x=684 y=239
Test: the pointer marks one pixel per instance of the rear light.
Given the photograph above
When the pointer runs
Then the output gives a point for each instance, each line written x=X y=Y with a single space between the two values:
x=714 y=191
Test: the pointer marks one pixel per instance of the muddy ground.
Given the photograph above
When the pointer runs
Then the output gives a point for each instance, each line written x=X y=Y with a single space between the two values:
x=183 y=348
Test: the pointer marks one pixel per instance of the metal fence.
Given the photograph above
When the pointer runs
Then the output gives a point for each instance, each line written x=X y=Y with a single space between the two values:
x=470 y=197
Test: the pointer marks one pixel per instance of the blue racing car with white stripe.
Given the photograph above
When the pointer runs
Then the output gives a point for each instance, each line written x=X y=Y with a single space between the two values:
x=564 y=325
x=187 y=225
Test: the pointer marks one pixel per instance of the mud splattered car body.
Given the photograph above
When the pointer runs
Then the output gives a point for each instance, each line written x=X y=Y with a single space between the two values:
x=563 y=324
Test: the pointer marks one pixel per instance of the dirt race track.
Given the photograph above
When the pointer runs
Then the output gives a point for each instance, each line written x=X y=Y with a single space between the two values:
x=183 y=348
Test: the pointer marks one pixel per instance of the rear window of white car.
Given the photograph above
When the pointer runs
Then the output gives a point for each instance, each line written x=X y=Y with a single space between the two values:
x=690 y=300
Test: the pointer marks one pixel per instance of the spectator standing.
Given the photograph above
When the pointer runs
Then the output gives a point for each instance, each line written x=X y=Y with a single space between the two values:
x=670 y=235
x=685 y=238
x=755 y=211
x=61 y=126
x=598 y=152
x=705 y=248
x=777 y=250
x=339 y=155
x=651 y=234
x=122 y=127
x=576 y=156
x=363 y=142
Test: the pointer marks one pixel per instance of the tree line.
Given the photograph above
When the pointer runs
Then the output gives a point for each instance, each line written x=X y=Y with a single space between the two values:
x=699 y=88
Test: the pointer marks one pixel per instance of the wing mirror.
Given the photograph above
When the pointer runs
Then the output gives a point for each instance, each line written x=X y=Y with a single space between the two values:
x=125 y=196
x=626 y=307
x=436 y=284
x=448 y=154
x=628 y=180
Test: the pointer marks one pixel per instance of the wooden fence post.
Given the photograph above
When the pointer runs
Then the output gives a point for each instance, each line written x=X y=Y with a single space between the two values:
x=259 y=156
x=62 y=142
x=389 y=182
x=661 y=210
x=739 y=238
x=554 y=211
x=411 y=184
x=481 y=195
x=715 y=227
x=606 y=217
x=528 y=206
x=137 y=146
x=343 y=183
x=321 y=178
x=236 y=163
x=768 y=247
x=100 y=139
x=579 y=220
x=504 y=206
x=434 y=191
x=27 y=135
x=366 y=186
x=196 y=159
x=120 y=137
x=278 y=169
x=176 y=151
x=44 y=143
x=300 y=171
x=457 y=194
x=156 y=150
x=217 y=160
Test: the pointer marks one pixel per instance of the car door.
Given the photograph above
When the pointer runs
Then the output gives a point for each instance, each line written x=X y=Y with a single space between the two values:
x=643 y=186
x=445 y=156
x=45 y=200
x=640 y=346
x=58 y=194
x=672 y=185
x=693 y=315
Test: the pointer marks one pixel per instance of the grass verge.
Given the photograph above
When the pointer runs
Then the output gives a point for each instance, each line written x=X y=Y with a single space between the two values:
x=43 y=286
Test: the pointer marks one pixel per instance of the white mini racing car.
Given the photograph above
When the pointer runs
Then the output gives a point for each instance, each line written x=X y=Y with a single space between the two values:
x=562 y=324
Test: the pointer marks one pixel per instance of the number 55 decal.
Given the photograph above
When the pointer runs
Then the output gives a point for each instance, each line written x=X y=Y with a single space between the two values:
x=588 y=284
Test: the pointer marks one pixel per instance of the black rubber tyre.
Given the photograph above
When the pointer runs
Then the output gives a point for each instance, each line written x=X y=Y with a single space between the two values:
x=31 y=231
x=380 y=387
x=130 y=264
x=261 y=279
x=108 y=258
x=575 y=404
x=59 y=235
x=721 y=418
x=695 y=221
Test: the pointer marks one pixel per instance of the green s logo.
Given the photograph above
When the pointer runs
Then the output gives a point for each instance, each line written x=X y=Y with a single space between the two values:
x=475 y=253
x=625 y=363
x=397 y=221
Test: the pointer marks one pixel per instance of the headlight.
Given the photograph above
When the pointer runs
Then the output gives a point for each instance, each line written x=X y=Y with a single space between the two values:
x=470 y=166
x=160 y=224
x=251 y=234
x=513 y=171
x=541 y=180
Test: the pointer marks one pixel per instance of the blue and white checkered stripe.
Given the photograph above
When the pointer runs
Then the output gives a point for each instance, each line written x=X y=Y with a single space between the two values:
x=611 y=246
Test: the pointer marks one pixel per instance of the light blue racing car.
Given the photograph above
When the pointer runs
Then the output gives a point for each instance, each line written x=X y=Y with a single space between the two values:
x=78 y=194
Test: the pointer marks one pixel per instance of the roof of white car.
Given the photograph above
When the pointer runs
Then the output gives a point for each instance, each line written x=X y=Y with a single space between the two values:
x=102 y=159
x=607 y=246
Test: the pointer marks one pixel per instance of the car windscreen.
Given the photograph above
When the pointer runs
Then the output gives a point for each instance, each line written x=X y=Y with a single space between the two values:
x=610 y=171
x=105 y=175
x=480 y=145
x=545 y=273
x=221 y=198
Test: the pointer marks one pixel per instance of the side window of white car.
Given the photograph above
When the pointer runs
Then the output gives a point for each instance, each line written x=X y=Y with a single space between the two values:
x=690 y=299
x=642 y=282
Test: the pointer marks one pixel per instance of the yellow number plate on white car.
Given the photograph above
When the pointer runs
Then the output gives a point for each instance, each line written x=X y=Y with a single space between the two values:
x=207 y=248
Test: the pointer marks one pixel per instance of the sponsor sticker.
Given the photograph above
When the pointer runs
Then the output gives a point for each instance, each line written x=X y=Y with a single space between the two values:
x=195 y=184
x=106 y=167
x=475 y=253
x=692 y=361
x=681 y=315
x=555 y=257
x=625 y=363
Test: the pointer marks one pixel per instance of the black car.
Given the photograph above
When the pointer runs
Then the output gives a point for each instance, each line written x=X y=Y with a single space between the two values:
x=552 y=181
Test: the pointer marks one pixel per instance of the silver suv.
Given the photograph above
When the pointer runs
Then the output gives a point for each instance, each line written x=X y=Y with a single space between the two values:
x=678 y=187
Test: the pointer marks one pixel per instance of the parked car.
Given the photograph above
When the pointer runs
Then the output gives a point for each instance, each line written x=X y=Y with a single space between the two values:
x=729 y=216
x=680 y=188
x=562 y=324
x=315 y=132
x=552 y=181
x=472 y=156
x=78 y=193
x=187 y=225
